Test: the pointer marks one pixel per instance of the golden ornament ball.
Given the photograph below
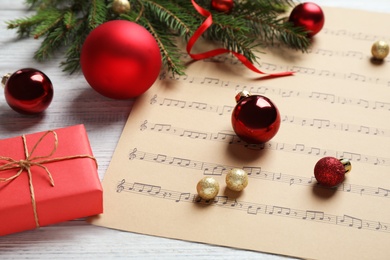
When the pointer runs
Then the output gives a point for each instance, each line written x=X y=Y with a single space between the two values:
x=237 y=179
x=380 y=50
x=207 y=188
x=121 y=6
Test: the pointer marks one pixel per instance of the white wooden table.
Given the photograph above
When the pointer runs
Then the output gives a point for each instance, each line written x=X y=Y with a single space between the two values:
x=76 y=103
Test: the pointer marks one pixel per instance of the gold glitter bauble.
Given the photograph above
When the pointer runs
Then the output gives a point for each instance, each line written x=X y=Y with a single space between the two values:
x=237 y=179
x=380 y=50
x=207 y=188
x=121 y=6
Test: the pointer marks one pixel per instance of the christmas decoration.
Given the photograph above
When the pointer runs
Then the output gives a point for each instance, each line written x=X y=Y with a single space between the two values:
x=120 y=6
x=309 y=16
x=120 y=59
x=330 y=171
x=224 y=6
x=28 y=91
x=380 y=50
x=207 y=188
x=236 y=179
x=250 y=24
x=31 y=164
x=255 y=119
x=211 y=53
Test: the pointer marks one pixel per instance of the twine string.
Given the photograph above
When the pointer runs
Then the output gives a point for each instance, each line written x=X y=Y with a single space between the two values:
x=39 y=161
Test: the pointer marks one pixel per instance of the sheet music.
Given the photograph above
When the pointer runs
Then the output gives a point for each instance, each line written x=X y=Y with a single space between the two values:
x=337 y=104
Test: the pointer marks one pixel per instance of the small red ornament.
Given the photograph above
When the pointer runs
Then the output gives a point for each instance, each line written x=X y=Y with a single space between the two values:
x=330 y=171
x=120 y=59
x=308 y=15
x=224 y=6
x=28 y=91
x=255 y=119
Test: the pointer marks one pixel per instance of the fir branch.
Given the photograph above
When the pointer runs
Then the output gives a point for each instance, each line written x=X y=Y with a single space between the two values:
x=50 y=44
x=97 y=13
x=77 y=38
x=67 y=23
x=169 y=51
x=53 y=17
x=171 y=19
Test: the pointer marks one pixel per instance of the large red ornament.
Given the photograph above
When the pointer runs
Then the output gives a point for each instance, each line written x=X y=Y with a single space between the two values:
x=255 y=119
x=224 y=6
x=120 y=59
x=330 y=171
x=308 y=15
x=28 y=91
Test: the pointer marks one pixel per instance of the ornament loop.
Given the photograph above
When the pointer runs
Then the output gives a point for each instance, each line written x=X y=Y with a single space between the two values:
x=242 y=94
x=5 y=78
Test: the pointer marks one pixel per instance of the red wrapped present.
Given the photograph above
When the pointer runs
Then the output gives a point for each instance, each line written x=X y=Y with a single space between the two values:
x=46 y=178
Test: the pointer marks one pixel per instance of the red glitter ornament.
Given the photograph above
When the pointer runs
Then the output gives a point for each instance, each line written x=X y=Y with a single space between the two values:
x=28 y=91
x=308 y=15
x=224 y=6
x=330 y=171
x=255 y=119
x=120 y=59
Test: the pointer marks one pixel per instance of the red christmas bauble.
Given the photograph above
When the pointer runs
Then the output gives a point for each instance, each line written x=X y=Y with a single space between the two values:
x=329 y=171
x=224 y=6
x=308 y=15
x=28 y=91
x=255 y=119
x=120 y=59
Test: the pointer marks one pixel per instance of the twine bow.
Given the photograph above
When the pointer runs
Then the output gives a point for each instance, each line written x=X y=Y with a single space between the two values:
x=39 y=161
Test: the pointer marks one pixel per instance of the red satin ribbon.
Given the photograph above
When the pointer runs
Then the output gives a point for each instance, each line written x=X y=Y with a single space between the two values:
x=204 y=26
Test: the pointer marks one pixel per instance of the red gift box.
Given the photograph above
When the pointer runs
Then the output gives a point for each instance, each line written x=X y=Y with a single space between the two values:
x=46 y=178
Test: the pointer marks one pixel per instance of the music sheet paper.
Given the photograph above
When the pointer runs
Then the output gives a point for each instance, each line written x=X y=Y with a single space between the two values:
x=337 y=104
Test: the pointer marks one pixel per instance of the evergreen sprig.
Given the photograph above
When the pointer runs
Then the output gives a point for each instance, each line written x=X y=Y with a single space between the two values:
x=64 y=24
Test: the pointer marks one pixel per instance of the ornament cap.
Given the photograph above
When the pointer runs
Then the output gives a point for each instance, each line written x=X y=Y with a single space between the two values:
x=5 y=79
x=242 y=94
x=347 y=164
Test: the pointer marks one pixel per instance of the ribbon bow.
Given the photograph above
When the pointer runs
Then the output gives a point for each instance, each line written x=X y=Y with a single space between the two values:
x=204 y=26
x=39 y=161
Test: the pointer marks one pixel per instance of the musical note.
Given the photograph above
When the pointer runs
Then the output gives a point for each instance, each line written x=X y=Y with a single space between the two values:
x=160 y=158
x=143 y=126
x=314 y=215
x=210 y=80
x=133 y=154
x=194 y=134
x=153 y=100
x=184 y=196
x=382 y=192
x=252 y=170
x=351 y=221
x=161 y=127
x=173 y=102
x=278 y=210
x=251 y=208
x=226 y=109
x=180 y=162
x=120 y=186
x=198 y=105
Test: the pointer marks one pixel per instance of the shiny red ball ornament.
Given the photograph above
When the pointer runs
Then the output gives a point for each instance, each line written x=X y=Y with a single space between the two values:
x=309 y=16
x=120 y=59
x=28 y=91
x=255 y=119
x=223 y=6
x=330 y=171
